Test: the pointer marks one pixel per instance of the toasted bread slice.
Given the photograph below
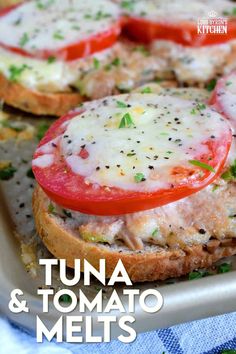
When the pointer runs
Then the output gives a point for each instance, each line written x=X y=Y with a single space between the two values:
x=55 y=104
x=150 y=264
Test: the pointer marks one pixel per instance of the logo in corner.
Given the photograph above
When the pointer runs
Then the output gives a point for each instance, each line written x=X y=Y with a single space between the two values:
x=212 y=24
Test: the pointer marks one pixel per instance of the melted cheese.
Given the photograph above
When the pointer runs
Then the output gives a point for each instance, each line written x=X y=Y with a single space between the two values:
x=37 y=74
x=54 y=24
x=162 y=134
x=159 y=10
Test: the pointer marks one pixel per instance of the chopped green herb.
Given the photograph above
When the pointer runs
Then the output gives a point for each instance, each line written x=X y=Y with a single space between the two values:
x=142 y=49
x=211 y=85
x=116 y=61
x=51 y=208
x=131 y=154
x=76 y=27
x=58 y=35
x=65 y=298
x=128 y=5
x=44 y=5
x=139 y=177
x=202 y=165
x=224 y=268
x=96 y=63
x=7 y=172
x=16 y=71
x=228 y=83
x=51 y=60
x=101 y=15
x=215 y=187
x=126 y=121
x=193 y=111
x=198 y=274
x=146 y=90
x=87 y=16
x=201 y=106
x=42 y=128
x=23 y=40
x=155 y=232
x=29 y=173
x=230 y=174
x=121 y=104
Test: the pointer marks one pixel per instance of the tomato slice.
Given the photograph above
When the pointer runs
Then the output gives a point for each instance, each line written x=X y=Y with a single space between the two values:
x=224 y=98
x=185 y=33
x=79 y=43
x=205 y=149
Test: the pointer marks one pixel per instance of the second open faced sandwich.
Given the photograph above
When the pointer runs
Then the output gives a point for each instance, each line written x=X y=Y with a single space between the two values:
x=142 y=177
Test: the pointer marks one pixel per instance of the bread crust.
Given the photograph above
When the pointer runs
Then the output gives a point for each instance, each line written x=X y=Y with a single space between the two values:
x=147 y=266
x=39 y=103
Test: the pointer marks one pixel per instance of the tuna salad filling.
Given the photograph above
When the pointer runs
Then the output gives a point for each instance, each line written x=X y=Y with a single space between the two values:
x=204 y=216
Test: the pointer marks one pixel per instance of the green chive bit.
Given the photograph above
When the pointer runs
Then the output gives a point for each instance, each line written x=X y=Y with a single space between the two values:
x=51 y=59
x=126 y=121
x=224 y=268
x=139 y=177
x=51 y=208
x=7 y=172
x=203 y=165
x=211 y=85
x=96 y=63
x=147 y=90
x=155 y=232
x=23 y=40
x=121 y=104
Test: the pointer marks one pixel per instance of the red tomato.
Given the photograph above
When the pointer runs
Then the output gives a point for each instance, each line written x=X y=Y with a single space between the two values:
x=185 y=33
x=79 y=49
x=70 y=191
x=224 y=98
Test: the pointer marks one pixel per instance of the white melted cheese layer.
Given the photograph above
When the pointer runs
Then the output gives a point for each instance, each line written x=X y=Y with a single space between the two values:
x=35 y=73
x=178 y=10
x=53 y=24
x=41 y=75
x=165 y=132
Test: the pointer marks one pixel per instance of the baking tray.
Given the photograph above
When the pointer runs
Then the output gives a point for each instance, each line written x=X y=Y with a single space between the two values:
x=184 y=300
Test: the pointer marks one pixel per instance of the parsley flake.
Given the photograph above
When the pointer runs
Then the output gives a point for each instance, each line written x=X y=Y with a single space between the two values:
x=126 y=121
x=203 y=165
x=139 y=177
x=58 y=35
x=121 y=104
x=224 y=268
x=51 y=208
x=23 y=40
x=51 y=59
x=146 y=90
x=7 y=172
x=42 y=128
x=211 y=85
x=96 y=63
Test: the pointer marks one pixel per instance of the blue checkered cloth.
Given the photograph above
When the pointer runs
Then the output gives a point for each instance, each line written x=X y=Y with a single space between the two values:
x=208 y=336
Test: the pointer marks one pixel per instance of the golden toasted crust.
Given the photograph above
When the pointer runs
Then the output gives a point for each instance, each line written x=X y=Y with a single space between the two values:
x=55 y=104
x=6 y=3
x=145 y=266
